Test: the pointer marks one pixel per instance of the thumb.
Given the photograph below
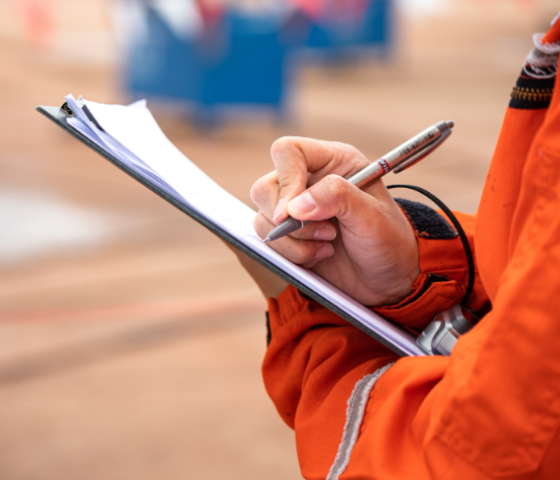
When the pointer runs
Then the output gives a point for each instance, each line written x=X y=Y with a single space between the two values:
x=333 y=196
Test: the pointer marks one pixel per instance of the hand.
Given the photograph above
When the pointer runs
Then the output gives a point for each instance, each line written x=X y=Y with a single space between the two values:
x=359 y=241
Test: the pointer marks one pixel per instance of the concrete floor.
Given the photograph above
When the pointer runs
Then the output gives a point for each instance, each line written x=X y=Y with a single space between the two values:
x=130 y=339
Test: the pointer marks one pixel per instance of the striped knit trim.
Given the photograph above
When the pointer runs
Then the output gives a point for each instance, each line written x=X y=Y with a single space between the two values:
x=354 y=416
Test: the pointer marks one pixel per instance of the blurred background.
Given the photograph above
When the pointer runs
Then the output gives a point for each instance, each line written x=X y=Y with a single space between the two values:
x=130 y=338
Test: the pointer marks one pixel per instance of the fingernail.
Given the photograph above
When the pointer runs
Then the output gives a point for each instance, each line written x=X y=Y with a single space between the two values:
x=324 y=252
x=325 y=233
x=305 y=203
x=278 y=211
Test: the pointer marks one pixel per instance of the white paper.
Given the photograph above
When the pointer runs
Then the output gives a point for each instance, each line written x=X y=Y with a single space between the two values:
x=133 y=136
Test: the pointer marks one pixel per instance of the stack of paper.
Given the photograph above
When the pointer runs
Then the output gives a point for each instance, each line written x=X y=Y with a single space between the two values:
x=131 y=135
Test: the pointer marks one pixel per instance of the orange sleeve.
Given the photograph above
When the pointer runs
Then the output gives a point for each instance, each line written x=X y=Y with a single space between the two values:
x=444 y=273
x=311 y=366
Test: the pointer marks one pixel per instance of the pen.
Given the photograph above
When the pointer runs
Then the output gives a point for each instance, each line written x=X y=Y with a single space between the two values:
x=397 y=160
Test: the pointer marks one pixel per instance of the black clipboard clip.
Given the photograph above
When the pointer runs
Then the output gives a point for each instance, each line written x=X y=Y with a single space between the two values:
x=66 y=109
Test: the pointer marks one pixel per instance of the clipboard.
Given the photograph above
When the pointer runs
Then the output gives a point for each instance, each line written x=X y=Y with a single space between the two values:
x=60 y=116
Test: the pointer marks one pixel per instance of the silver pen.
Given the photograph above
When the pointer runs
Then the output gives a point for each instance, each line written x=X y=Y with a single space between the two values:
x=397 y=160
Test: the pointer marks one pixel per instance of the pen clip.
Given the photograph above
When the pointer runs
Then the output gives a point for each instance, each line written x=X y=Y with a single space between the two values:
x=429 y=148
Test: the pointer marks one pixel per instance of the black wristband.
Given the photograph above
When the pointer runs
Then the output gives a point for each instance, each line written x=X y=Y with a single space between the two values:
x=427 y=222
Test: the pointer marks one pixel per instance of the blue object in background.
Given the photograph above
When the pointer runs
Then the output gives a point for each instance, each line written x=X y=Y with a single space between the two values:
x=241 y=61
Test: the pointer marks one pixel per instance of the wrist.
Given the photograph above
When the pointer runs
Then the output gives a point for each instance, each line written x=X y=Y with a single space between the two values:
x=438 y=279
x=408 y=287
x=270 y=284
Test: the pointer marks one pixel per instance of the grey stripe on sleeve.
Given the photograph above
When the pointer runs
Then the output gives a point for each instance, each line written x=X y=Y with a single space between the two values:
x=354 y=416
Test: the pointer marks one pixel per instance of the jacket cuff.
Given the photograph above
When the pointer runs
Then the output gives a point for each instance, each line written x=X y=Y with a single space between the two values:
x=443 y=267
x=294 y=313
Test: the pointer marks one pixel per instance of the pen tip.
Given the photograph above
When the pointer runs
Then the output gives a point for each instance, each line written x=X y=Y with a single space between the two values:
x=266 y=240
x=450 y=123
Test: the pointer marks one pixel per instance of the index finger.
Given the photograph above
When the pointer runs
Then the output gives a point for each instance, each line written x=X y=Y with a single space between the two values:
x=301 y=162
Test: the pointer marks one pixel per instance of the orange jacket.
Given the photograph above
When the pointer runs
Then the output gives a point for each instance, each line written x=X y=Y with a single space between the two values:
x=491 y=409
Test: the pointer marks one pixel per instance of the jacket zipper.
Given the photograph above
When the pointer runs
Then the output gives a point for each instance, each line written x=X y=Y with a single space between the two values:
x=532 y=94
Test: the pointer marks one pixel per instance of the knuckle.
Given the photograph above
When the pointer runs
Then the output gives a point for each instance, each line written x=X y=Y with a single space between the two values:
x=262 y=190
x=294 y=180
x=255 y=191
x=282 y=144
x=336 y=194
x=336 y=186
x=303 y=254
x=287 y=156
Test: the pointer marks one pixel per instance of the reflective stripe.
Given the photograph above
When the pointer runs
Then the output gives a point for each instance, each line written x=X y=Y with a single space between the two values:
x=354 y=416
